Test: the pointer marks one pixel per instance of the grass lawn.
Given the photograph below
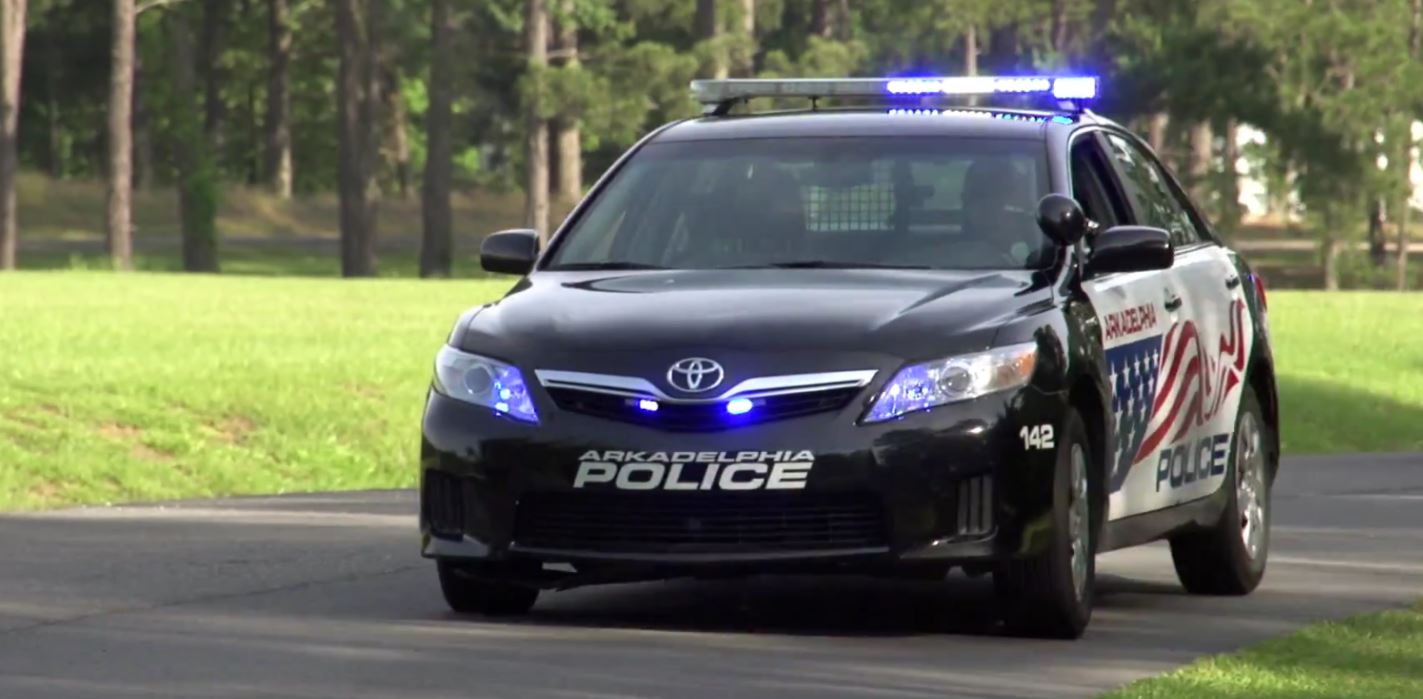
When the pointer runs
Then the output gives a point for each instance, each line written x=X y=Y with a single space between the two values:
x=143 y=387
x=1350 y=370
x=153 y=386
x=1379 y=656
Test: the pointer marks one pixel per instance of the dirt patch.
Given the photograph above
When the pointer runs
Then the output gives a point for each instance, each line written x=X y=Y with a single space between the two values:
x=120 y=433
x=232 y=430
x=44 y=492
x=23 y=415
x=25 y=421
x=366 y=391
x=144 y=452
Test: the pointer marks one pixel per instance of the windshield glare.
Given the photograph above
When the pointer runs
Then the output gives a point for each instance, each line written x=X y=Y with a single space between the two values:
x=947 y=203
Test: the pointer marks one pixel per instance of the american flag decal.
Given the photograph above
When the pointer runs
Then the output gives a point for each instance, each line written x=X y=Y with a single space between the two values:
x=1194 y=384
x=1134 y=371
x=1164 y=385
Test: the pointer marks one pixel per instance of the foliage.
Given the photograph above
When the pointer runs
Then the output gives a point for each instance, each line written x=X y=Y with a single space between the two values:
x=1333 y=83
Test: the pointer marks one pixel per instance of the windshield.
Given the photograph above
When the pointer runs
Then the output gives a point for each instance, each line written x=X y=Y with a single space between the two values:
x=945 y=203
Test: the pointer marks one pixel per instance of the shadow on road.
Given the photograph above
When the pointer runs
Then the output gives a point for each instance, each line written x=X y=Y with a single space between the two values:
x=801 y=606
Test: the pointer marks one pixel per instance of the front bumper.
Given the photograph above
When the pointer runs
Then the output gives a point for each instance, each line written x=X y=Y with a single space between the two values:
x=952 y=485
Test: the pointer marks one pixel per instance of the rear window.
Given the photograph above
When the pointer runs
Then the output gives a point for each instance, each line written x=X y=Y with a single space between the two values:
x=948 y=203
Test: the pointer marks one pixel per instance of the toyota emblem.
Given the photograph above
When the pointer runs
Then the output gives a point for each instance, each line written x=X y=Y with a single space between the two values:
x=695 y=375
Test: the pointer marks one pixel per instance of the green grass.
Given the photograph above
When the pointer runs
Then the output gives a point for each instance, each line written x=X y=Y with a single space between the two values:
x=1378 y=656
x=144 y=387
x=1350 y=369
x=153 y=386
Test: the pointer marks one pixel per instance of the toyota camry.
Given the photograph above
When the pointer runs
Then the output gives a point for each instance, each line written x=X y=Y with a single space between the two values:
x=894 y=331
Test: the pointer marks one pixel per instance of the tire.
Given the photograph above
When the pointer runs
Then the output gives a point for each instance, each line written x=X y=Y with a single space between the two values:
x=1050 y=595
x=470 y=594
x=1229 y=558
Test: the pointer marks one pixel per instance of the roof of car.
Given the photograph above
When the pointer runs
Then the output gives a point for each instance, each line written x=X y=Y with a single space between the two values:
x=975 y=123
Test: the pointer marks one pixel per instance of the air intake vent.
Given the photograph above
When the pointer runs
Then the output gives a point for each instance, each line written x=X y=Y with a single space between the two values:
x=442 y=504
x=975 y=506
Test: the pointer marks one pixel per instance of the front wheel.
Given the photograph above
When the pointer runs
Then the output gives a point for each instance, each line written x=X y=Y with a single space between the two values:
x=468 y=593
x=1050 y=595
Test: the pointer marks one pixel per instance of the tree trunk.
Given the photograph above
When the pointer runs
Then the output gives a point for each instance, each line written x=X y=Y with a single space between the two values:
x=1003 y=52
x=568 y=140
x=52 y=58
x=436 y=244
x=535 y=126
x=820 y=24
x=279 y=128
x=1415 y=51
x=970 y=51
x=708 y=25
x=398 y=126
x=1102 y=13
x=214 y=38
x=1156 y=132
x=1059 y=27
x=1202 y=153
x=357 y=97
x=1230 y=192
x=1401 y=272
x=142 y=134
x=197 y=186
x=1377 y=234
x=119 y=227
x=12 y=51
x=1330 y=248
x=746 y=55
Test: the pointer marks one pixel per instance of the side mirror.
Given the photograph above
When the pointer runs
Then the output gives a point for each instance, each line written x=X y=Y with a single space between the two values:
x=1061 y=218
x=1130 y=249
x=510 y=252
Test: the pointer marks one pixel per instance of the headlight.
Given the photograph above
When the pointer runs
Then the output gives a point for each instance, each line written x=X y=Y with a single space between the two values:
x=485 y=382
x=924 y=386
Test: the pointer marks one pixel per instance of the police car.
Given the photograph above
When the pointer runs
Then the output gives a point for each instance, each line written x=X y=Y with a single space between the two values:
x=900 y=336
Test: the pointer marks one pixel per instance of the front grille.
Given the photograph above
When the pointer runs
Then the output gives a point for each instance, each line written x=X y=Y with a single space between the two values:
x=701 y=417
x=975 y=506
x=612 y=522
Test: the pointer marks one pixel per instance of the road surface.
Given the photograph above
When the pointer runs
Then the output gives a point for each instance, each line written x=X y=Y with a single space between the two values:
x=324 y=596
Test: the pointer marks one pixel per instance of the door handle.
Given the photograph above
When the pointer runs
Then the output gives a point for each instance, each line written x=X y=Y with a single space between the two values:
x=1232 y=281
x=1173 y=302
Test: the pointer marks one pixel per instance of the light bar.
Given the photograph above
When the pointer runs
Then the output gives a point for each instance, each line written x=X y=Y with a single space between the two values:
x=1067 y=88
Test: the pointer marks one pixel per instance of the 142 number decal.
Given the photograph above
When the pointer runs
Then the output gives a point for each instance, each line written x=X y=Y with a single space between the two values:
x=1036 y=437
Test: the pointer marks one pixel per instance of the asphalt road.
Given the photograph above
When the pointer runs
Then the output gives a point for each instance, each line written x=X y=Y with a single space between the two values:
x=324 y=596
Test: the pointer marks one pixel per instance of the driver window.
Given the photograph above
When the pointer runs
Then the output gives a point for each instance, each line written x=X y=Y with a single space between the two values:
x=1090 y=184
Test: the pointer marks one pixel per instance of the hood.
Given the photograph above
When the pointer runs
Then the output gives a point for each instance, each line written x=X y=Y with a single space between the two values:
x=765 y=321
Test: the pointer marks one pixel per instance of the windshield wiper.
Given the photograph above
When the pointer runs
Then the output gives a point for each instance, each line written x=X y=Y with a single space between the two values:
x=829 y=264
x=596 y=266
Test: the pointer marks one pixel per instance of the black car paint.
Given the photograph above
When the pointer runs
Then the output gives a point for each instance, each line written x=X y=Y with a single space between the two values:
x=769 y=322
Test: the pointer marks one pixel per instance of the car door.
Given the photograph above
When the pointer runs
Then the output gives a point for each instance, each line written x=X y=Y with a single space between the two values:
x=1134 y=311
x=1185 y=442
